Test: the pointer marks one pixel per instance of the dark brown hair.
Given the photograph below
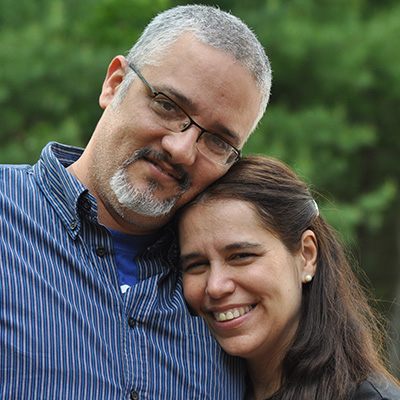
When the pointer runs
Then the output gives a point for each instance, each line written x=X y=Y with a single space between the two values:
x=338 y=341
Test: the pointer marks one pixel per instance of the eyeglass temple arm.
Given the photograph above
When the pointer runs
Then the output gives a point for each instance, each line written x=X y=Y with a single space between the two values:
x=142 y=78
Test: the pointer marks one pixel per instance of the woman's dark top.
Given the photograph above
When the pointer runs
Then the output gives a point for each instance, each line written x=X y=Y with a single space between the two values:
x=370 y=389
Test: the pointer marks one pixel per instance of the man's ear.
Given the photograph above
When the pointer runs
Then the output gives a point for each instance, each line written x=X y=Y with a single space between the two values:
x=112 y=82
x=309 y=255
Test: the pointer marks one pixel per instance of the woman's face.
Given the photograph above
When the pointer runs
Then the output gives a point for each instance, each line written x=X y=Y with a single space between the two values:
x=241 y=279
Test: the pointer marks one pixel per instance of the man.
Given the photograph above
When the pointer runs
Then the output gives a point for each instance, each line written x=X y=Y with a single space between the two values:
x=91 y=301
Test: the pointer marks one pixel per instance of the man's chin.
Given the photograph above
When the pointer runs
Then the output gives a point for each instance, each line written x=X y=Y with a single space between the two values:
x=148 y=198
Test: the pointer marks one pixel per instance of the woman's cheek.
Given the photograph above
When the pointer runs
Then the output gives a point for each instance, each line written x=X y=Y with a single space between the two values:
x=193 y=290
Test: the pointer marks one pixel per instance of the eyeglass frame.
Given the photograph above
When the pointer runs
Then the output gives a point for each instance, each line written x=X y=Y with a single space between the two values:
x=238 y=152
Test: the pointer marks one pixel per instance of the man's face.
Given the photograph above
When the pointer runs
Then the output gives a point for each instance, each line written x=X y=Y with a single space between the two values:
x=140 y=171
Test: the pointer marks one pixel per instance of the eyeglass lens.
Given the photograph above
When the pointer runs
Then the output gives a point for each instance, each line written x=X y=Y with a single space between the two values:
x=172 y=116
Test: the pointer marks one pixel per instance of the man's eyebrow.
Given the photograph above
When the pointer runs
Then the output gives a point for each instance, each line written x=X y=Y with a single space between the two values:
x=227 y=132
x=171 y=92
x=220 y=130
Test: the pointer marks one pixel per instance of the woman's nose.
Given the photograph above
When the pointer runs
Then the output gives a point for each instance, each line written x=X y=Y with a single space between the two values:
x=219 y=283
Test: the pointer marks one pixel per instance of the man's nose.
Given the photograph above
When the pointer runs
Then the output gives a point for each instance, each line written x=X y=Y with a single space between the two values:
x=182 y=146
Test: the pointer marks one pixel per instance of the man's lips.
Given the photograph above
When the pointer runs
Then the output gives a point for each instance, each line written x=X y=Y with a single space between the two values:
x=174 y=171
x=163 y=167
x=160 y=161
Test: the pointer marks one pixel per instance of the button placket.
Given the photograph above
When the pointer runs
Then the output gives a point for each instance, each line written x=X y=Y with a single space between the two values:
x=101 y=251
x=86 y=205
x=73 y=225
x=134 y=395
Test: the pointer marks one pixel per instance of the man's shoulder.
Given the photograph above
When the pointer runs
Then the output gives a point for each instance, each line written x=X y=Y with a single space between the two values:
x=14 y=168
x=374 y=389
x=11 y=176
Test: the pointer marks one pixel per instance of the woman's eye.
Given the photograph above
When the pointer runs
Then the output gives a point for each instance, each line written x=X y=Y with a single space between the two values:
x=195 y=267
x=243 y=257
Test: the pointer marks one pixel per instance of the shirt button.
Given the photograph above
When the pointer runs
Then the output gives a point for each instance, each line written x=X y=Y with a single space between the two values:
x=86 y=205
x=73 y=225
x=101 y=251
x=131 y=322
x=134 y=395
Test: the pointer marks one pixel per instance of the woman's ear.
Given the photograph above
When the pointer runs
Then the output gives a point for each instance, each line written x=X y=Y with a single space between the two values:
x=113 y=80
x=309 y=255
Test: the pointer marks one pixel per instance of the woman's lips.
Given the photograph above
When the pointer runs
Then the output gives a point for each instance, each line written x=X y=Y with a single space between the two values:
x=231 y=313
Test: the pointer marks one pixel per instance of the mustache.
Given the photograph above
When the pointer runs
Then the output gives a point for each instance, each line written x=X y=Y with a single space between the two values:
x=183 y=180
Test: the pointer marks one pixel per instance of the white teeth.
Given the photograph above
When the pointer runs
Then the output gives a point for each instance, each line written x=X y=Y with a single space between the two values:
x=160 y=168
x=164 y=172
x=231 y=314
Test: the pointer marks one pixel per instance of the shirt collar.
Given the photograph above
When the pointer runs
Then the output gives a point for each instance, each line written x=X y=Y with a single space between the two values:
x=68 y=196
x=165 y=249
x=71 y=199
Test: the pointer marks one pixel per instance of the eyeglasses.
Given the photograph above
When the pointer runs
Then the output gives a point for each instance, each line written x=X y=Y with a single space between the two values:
x=175 y=119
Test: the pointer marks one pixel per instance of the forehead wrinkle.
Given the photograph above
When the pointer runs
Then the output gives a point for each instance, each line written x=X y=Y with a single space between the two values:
x=187 y=103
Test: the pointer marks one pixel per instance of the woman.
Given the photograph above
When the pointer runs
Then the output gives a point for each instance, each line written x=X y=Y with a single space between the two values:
x=265 y=271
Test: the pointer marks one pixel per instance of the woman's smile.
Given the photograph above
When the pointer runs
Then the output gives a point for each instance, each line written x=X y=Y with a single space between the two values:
x=232 y=313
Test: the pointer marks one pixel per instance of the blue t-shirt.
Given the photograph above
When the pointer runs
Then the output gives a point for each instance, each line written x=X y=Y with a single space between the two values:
x=126 y=248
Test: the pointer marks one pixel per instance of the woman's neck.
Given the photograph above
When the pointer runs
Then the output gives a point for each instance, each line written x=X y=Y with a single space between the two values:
x=264 y=379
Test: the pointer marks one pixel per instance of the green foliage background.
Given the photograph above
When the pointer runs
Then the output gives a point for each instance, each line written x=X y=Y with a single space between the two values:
x=333 y=115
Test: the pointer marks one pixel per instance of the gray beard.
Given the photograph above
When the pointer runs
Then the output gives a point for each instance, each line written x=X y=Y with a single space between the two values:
x=141 y=201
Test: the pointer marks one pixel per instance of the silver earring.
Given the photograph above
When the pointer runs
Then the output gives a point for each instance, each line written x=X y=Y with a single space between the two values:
x=308 y=278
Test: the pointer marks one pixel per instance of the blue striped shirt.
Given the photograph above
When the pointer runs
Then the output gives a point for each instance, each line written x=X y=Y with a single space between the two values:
x=66 y=330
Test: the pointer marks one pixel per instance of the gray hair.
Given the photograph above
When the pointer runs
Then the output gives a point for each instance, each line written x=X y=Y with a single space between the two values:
x=212 y=27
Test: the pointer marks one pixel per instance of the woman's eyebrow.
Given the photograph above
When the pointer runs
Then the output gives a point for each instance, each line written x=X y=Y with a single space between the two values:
x=243 y=246
x=188 y=257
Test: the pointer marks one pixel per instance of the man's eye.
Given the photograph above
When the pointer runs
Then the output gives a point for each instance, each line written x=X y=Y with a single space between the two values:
x=166 y=109
x=216 y=144
x=165 y=105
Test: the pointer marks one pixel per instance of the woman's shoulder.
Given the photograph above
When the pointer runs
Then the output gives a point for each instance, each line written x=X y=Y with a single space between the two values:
x=377 y=389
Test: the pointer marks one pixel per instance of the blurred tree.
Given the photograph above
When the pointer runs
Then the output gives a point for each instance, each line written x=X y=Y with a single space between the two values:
x=53 y=65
